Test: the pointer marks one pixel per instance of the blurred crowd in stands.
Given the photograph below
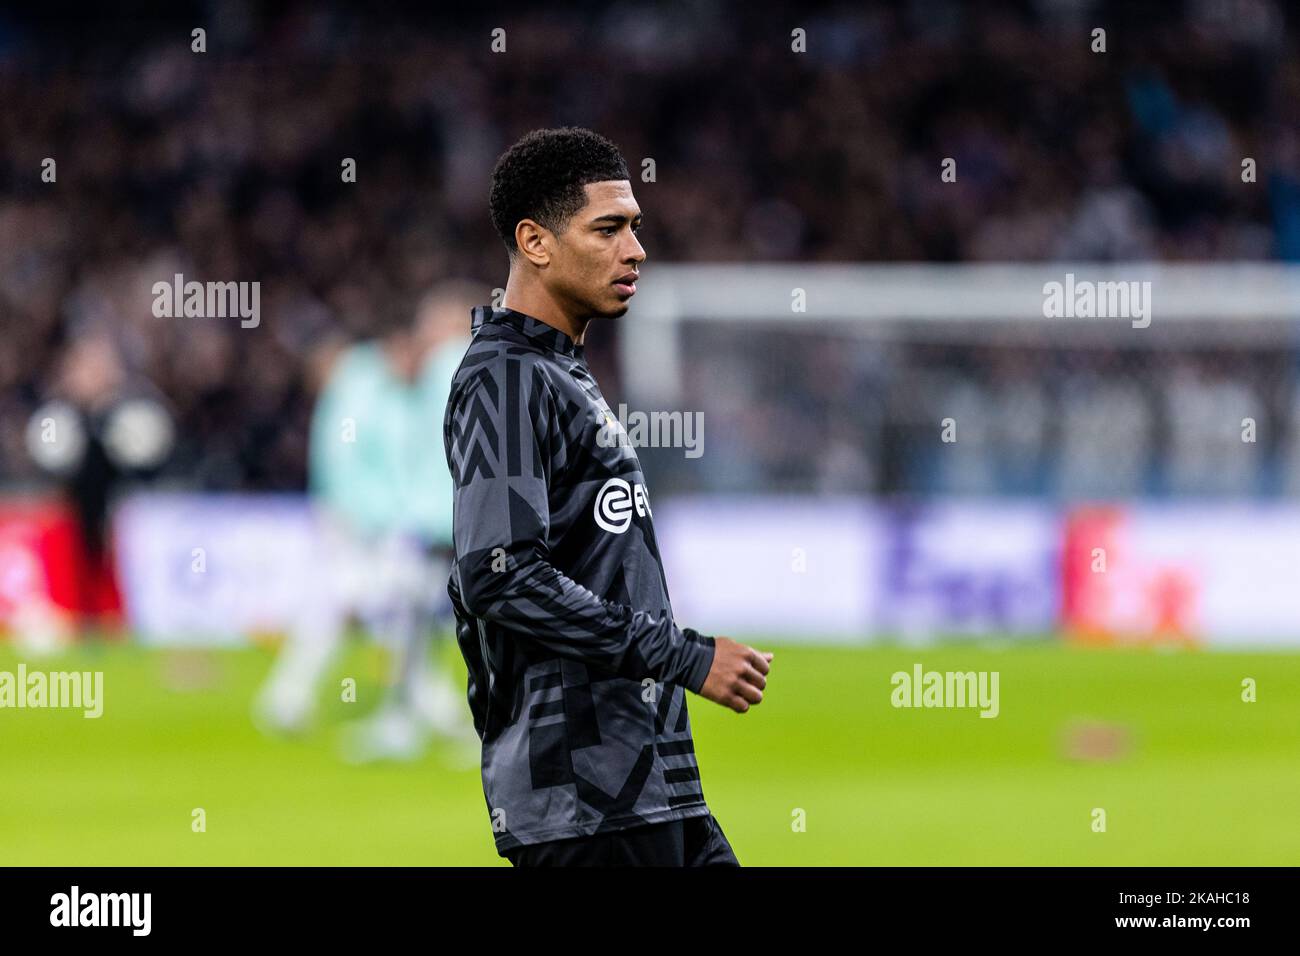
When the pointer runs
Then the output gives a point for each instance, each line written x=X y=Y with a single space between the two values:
x=226 y=165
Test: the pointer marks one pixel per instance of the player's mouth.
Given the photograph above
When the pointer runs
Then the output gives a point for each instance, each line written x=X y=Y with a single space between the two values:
x=626 y=285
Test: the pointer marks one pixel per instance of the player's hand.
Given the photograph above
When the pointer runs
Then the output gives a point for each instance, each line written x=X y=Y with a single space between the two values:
x=738 y=675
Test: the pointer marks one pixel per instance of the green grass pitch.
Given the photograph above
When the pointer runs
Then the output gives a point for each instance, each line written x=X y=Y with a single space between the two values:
x=1185 y=770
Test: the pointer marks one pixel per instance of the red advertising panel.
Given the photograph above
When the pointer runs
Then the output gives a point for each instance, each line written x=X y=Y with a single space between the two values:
x=46 y=577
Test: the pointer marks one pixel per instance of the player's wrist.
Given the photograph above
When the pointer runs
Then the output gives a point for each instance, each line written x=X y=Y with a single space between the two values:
x=697 y=658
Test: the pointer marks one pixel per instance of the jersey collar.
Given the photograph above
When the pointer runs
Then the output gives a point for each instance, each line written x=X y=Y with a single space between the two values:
x=536 y=330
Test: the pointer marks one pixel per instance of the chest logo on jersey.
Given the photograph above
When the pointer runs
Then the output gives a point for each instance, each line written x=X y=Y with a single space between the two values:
x=616 y=501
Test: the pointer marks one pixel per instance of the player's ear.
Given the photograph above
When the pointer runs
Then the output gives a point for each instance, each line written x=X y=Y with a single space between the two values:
x=534 y=241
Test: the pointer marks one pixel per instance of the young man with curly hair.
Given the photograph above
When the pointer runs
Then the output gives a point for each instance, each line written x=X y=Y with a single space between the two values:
x=577 y=671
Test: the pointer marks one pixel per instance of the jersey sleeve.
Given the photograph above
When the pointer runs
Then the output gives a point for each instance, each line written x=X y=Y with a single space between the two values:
x=505 y=445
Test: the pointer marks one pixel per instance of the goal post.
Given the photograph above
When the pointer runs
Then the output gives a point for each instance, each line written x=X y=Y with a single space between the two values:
x=1224 y=304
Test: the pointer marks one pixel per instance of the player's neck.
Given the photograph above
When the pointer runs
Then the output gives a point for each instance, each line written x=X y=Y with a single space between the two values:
x=532 y=299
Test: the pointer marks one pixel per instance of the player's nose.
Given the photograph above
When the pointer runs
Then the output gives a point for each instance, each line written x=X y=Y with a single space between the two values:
x=636 y=254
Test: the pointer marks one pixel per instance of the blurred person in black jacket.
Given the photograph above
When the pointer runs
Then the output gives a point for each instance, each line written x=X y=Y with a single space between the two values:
x=100 y=428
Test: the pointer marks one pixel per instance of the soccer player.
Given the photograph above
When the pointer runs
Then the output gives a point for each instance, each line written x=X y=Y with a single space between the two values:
x=577 y=671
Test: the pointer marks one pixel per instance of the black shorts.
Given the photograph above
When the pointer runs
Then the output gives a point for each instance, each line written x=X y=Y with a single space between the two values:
x=698 y=841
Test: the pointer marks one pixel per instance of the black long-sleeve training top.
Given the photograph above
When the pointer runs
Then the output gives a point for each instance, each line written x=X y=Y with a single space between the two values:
x=577 y=671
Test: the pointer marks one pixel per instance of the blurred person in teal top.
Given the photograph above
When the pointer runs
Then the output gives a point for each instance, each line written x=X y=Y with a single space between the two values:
x=378 y=479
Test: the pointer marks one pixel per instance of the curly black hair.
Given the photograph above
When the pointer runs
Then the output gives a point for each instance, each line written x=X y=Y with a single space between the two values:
x=541 y=178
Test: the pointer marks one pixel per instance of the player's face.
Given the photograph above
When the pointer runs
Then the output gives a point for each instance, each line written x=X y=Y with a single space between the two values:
x=599 y=254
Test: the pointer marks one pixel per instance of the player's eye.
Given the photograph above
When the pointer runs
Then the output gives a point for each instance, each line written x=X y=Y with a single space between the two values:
x=609 y=230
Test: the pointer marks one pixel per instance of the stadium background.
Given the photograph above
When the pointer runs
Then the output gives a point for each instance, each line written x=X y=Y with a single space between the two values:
x=825 y=519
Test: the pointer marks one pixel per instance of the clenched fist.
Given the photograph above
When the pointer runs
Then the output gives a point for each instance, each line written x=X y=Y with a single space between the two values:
x=738 y=675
